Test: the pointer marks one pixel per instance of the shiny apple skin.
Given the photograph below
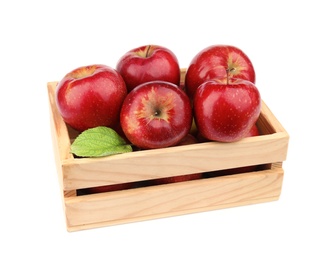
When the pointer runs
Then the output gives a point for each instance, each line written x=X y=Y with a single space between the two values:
x=213 y=62
x=226 y=112
x=148 y=63
x=188 y=139
x=156 y=114
x=91 y=96
x=254 y=131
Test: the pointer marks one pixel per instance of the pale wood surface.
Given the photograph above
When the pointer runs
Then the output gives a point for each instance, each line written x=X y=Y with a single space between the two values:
x=173 y=161
x=174 y=199
x=58 y=126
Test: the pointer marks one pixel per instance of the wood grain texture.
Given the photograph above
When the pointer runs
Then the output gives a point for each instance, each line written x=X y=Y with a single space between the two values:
x=58 y=126
x=174 y=199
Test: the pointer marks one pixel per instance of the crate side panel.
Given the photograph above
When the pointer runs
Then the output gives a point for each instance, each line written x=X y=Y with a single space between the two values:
x=268 y=122
x=59 y=135
x=173 y=199
x=175 y=161
x=60 y=132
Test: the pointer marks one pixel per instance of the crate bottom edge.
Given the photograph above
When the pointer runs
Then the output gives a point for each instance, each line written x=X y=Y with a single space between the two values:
x=169 y=214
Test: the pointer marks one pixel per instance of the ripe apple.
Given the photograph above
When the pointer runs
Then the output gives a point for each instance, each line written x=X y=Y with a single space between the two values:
x=213 y=62
x=156 y=114
x=188 y=139
x=91 y=96
x=253 y=132
x=148 y=63
x=225 y=110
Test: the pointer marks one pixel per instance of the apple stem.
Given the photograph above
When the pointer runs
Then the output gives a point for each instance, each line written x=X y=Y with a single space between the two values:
x=147 y=51
x=228 y=73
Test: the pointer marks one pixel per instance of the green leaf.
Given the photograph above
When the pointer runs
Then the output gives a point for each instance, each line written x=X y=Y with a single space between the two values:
x=99 y=141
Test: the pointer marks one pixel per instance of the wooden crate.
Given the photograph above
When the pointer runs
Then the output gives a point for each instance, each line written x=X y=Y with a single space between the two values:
x=146 y=201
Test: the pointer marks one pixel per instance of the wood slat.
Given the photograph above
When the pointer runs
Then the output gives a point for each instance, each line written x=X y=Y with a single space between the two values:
x=174 y=199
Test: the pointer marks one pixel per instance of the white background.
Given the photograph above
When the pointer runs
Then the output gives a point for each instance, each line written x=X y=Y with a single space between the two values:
x=291 y=46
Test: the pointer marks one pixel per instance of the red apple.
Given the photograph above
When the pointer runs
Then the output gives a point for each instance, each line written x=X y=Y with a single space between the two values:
x=253 y=132
x=148 y=63
x=156 y=114
x=188 y=139
x=226 y=110
x=213 y=62
x=173 y=179
x=91 y=96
